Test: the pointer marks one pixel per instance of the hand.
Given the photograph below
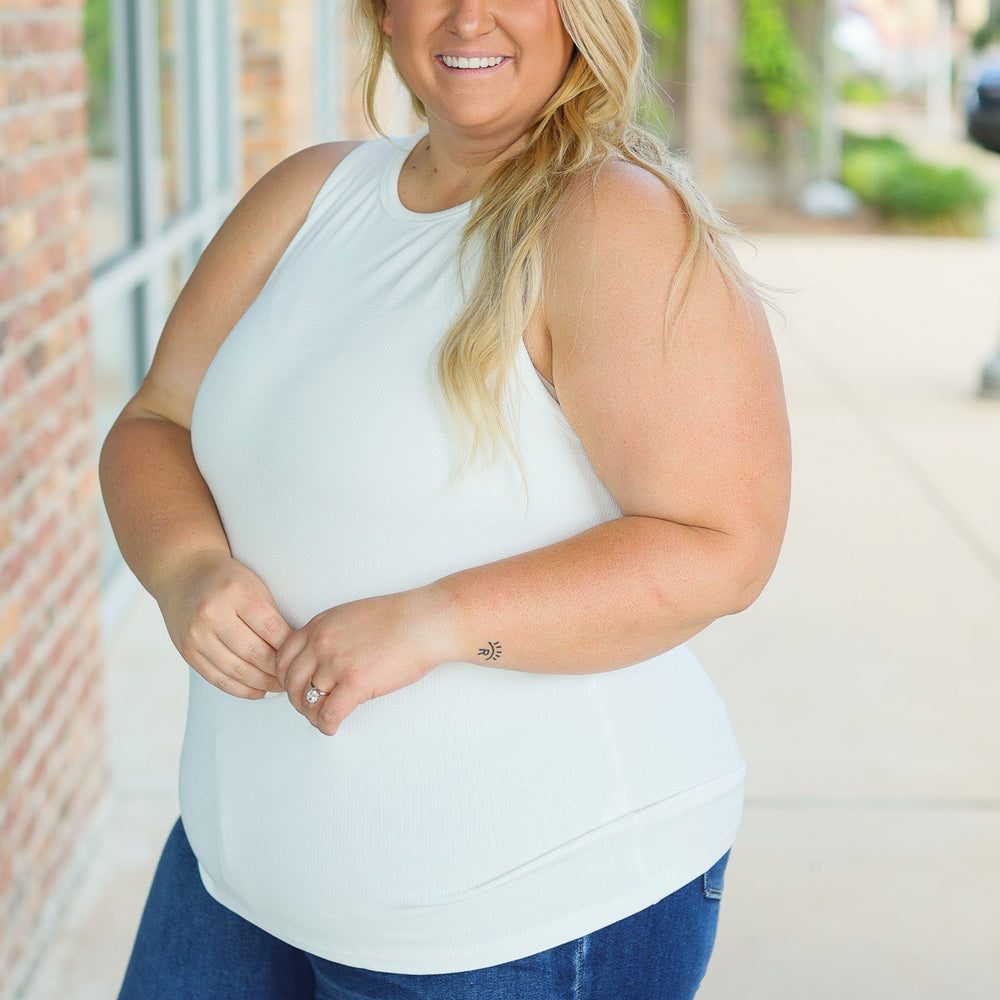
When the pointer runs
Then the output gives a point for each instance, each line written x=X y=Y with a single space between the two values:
x=223 y=621
x=359 y=651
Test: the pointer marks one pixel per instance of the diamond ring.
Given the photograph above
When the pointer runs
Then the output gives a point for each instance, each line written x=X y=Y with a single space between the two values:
x=314 y=694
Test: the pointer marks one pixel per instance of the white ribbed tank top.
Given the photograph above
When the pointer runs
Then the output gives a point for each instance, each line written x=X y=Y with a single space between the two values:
x=481 y=814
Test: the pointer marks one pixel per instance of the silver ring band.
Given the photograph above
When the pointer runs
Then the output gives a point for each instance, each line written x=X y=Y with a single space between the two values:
x=314 y=694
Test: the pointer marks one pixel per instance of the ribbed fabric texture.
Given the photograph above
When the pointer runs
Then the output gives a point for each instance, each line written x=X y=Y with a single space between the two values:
x=482 y=814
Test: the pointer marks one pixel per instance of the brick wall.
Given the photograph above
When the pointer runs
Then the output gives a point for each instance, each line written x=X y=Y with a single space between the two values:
x=277 y=91
x=52 y=770
x=277 y=83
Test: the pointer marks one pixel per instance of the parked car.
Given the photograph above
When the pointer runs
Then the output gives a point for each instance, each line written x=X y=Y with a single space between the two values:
x=983 y=114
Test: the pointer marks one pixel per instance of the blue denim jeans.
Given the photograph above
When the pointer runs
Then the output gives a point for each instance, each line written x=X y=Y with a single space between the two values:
x=189 y=947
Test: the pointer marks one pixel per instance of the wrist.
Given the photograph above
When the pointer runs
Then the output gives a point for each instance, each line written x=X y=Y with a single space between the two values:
x=177 y=569
x=437 y=611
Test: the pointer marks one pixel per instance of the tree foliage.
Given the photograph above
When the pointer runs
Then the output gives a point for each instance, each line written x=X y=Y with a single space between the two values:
x=775 y=67
x=666 y=21
x=777 y=74
x=97 y=53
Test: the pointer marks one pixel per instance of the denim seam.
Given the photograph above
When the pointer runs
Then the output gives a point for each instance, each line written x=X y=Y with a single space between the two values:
x=581 y=954
x=710 y=891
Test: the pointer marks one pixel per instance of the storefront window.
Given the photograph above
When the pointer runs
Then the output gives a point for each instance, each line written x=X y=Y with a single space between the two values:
x=174 y=190
x=110 y=225
x=117 y=363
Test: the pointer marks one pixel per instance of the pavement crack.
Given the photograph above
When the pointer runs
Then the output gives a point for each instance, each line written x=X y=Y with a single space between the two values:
x=876 y=803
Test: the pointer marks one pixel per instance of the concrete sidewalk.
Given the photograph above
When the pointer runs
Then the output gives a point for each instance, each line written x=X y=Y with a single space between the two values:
x=864 y=685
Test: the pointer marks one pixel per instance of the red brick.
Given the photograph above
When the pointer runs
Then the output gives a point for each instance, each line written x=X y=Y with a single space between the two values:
x=44 y=128
x=10 y=281
x=12 y=379
x=13 y=39
x=32 y=180
x=10 y=186
x=34 y=269
x=15 y=136
x=51 y=773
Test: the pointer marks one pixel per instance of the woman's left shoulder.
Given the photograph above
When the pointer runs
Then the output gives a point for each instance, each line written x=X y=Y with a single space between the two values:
x=620 y=204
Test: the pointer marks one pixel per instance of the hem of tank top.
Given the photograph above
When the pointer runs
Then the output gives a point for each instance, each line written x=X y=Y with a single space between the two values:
x=718 y=787
x=471 y=959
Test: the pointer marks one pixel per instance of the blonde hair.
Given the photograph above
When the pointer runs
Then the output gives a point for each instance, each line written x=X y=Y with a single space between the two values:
x=591 y=119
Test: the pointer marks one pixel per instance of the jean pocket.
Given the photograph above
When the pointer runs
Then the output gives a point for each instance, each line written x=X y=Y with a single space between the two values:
x=713 y=880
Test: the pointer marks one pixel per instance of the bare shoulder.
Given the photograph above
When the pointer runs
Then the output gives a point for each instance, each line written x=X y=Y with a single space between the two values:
x=619 y=206
x=285 y=193
x=230 y=274
x=672 y=410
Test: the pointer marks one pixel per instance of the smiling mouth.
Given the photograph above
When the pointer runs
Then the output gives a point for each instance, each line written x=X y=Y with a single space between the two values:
x=472 y=62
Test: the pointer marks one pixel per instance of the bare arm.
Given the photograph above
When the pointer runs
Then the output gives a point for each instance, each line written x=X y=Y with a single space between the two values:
x=690 y=437
x=218 y=613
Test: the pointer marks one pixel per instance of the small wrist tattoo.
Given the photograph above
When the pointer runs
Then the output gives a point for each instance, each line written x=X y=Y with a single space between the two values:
x=491 y=651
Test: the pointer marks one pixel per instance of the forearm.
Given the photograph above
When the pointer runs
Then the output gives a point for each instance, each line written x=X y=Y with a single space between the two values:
x=158 y=504
x=616 y=594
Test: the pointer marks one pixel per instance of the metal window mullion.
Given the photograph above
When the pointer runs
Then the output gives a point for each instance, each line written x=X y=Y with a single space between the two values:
x=151 y=170
x=186 y=97
x=328 y=68
x=131 y=271
x=146 y=86
x=228 y=55
x=124 y=115
x=205 y=124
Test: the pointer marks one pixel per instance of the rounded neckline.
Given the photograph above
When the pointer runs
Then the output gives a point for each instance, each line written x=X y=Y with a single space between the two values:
x=390 y=186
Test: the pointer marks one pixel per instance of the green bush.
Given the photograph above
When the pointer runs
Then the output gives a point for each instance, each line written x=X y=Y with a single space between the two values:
x=911 y=193
x=925 y=191
x=986 y=35
x=862 y=90
x=773 y=63
x=885 y=144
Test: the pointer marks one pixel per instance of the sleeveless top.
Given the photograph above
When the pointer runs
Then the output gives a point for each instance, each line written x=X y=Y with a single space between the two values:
x=480 y=815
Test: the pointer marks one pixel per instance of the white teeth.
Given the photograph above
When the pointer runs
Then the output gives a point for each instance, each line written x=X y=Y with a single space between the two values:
x=461 y=62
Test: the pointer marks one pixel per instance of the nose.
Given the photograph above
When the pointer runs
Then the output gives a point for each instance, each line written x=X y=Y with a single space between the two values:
x=471 y=18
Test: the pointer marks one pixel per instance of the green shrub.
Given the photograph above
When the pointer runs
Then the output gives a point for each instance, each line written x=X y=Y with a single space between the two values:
x=773 y=63
x=986 y=35
x=862 y=90
x=924 y=191
x=869 y=172
x=887 y=144
x=911 y=193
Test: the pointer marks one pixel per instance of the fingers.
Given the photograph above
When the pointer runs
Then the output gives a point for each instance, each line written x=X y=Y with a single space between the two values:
x=240 y=672
x=286 y=656
x=224 y=622
x=229 y=654
x=299 y=671
x=241 y=639
x=334 y=708
x=264 y=621
x=224 y=681
x=331 y=708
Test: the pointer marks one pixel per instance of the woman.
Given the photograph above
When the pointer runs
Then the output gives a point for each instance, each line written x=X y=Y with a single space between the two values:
x=448 y=446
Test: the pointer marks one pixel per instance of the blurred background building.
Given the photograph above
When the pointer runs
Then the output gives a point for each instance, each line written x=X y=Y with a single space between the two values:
x=128 y=128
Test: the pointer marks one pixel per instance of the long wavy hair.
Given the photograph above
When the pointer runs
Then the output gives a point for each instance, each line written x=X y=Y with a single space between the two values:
x=590 y=119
